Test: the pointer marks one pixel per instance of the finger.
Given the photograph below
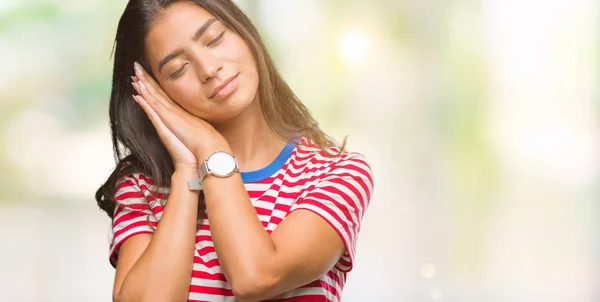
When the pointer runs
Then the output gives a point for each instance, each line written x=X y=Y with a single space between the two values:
x=151 y=84
x=168 y=118
x=171 y=117
x=155 y=102
x=153 y=92
x=160 y=127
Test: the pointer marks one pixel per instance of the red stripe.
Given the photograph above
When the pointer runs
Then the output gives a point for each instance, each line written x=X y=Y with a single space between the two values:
x=292 y=195
x=305 y=171
x=333 y=214
x=342 y=207
x=127 y=195
x=132 y=226
x=282 y=207
x=351 y=201
x=354 y=203
x=209 y=264
x=157 y=209
x=302 y=166
x=335 y=278
x=276 y=220
x=206 y=250
x=360 y=172
x=145 y=178
x=138 y=207
x=308 y=298
x=209 y=290
x=127 y=216
x=125 y=183
x=200 y=238
x=268 y=198
x=208 y=276
x=361 y=160
x=324 y=285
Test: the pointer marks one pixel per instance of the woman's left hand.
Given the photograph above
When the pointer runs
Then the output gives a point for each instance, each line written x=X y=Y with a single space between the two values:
x=196 y=134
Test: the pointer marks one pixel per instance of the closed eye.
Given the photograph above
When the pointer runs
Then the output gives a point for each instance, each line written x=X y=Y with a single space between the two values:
x=178 y=72
x=215 y=40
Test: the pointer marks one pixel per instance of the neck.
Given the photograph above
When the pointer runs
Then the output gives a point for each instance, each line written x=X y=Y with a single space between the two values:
x=250 y=138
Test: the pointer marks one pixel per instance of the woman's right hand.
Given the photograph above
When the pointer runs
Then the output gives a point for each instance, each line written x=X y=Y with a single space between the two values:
x=182 y=157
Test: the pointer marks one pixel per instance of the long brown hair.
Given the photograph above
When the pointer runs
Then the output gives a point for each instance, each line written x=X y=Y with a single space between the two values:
x=137 y=147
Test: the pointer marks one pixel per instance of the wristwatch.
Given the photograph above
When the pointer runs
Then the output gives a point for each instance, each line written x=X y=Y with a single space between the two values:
x=220 y=164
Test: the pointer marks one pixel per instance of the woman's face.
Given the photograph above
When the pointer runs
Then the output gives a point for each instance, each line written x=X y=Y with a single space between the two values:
x=194 y=56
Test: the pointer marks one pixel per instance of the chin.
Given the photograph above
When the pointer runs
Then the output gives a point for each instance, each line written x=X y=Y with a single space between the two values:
x=230 y=108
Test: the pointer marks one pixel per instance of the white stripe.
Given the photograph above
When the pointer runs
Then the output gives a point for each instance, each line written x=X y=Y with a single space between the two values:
x=266 y=205
x=257 y=186
x=213 y=298
x=199 y=267
x=210 y=283
x=306 y=291
x=123 y=224
x=336 y=209
x=208 y=256
x=128 y=189
x=118 y=240
x=354 y=173
x=356 y=217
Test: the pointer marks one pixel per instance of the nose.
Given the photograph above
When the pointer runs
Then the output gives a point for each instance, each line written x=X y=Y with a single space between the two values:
x=208 y=66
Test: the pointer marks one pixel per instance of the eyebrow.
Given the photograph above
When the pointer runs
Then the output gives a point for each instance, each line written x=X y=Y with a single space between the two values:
x=178 y=52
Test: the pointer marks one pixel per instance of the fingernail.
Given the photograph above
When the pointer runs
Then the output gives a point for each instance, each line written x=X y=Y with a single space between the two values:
x=142 y=85
x=138 y=68
x=134 y=85
x=134 y=98
x=134 y=78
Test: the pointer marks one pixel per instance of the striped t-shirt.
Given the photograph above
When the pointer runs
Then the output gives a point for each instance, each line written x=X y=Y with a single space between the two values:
x=338 y=189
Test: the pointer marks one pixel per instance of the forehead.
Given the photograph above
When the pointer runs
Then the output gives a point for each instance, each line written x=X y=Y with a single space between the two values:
x=173 y=27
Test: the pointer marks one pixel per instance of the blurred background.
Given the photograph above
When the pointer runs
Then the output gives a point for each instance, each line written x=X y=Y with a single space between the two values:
x=479 y=118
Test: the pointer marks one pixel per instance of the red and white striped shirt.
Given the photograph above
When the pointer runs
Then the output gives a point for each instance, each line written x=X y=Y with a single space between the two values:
x=338 y=189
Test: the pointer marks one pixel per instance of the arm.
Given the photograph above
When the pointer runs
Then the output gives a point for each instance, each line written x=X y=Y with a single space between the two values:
x=258 y=265
x=158 y=267
x=302 y=248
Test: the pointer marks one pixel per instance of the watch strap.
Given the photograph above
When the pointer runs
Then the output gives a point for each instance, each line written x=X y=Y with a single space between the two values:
x=195 y=184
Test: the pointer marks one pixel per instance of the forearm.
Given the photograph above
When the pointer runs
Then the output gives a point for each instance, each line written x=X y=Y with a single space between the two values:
x=162 y=273
x=243 y=246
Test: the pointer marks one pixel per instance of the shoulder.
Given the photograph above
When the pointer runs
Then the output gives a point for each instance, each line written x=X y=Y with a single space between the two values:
x=347 y=162
x=136 y=185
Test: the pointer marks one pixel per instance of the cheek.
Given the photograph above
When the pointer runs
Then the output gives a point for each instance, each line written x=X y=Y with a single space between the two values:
x=239 y=52
x=185 y=92
x=247 y=63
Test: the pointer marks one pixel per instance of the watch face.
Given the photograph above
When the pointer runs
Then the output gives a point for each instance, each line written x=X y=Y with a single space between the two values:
x=221 y=164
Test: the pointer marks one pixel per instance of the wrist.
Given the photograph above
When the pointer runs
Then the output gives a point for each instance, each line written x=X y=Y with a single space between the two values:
x=184 y=173
x=204 y=152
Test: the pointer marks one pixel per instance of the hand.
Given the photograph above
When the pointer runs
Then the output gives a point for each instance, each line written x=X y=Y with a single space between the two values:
x=177 y=126
x=182 y=157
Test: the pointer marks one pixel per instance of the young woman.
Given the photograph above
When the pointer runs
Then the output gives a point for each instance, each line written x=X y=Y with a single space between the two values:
x=226 y=189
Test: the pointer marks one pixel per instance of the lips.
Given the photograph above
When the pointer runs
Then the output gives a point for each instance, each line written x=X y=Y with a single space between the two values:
x=222 y=85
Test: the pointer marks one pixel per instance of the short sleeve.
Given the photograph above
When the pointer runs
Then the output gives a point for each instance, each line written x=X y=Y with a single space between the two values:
x=132 y=215
x=341 y=197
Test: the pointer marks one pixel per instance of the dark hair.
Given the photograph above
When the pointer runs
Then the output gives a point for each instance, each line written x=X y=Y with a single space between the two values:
x=137 y=147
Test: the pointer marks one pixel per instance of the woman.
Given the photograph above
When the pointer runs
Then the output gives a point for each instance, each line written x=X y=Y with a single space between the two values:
x=225 y=188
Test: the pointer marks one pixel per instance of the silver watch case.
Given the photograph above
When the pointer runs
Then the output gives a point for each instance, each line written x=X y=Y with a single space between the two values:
x=220 y=164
